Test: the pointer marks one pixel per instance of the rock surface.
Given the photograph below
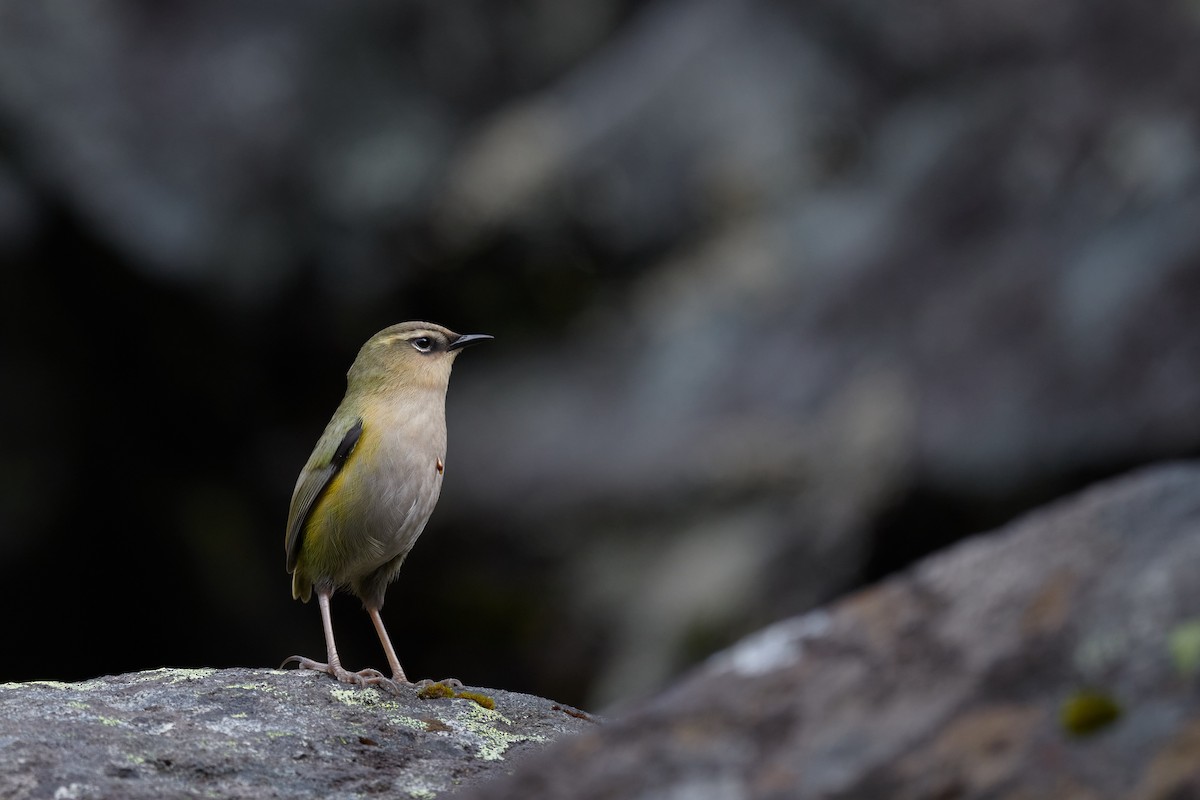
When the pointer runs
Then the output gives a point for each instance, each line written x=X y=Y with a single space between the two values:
x=257 y=733
x=1059 y=657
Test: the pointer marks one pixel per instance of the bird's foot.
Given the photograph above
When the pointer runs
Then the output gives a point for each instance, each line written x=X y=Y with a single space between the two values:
x=365 y=677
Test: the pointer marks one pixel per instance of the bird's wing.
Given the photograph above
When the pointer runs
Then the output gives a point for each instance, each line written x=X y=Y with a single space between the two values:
x=331 y=452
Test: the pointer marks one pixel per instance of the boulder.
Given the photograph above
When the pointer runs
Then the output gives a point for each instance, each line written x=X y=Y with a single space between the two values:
x=260 y=733
x=1058 y=657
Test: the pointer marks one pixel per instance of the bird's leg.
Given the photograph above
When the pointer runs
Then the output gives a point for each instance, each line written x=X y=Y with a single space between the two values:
x=333 y=666
x=393 y=662
x=398 y=673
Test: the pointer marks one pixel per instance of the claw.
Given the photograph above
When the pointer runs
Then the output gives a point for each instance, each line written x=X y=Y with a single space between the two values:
x=366 y=677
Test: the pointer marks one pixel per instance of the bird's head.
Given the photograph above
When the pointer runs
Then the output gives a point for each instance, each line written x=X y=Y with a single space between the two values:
x=409 y=355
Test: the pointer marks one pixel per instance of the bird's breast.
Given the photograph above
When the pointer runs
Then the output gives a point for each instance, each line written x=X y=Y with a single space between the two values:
x=395 y=480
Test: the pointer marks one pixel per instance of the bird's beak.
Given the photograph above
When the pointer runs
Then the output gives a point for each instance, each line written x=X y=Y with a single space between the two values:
x=468 y=338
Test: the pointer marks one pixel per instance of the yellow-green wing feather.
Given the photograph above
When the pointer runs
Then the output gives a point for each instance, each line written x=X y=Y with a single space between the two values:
x=331 y=452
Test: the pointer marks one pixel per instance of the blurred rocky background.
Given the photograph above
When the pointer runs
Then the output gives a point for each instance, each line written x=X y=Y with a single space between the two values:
x=786 y=294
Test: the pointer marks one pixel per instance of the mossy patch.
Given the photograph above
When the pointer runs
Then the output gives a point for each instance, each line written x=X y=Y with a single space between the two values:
x=1088 y=712
x=479 y=697
x=432 y=691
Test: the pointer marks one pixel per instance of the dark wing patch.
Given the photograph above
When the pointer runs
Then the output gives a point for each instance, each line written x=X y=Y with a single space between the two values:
x=346 y=445
x=316 y=480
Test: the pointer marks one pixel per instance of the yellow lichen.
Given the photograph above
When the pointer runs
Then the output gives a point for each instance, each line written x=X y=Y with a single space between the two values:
x=174 y=674
x=251 y=687
x=493 y=743
x=354 y=697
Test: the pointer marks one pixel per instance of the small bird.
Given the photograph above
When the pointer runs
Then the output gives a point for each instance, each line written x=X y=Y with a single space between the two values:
x=373 y=479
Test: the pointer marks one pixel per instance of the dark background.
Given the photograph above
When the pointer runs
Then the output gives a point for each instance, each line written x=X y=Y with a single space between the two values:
x=785 y=295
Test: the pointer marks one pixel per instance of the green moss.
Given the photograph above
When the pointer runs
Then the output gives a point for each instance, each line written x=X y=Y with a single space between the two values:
x=1184 y=644
x=1087 y=712
x=431 y=691
x=479 y=697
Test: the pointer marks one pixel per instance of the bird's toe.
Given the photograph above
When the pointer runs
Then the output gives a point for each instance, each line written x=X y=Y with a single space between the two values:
x=304 y=663
x=366 y=677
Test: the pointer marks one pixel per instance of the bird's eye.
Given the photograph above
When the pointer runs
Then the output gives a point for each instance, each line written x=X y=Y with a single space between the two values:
x=423 y=344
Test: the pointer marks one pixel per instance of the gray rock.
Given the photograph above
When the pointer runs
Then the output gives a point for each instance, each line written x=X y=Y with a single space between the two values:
x=257 y=733
x=1059 y=657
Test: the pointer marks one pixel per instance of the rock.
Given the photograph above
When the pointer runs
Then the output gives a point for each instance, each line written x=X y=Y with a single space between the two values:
x=1058 y=657
x=258 y=733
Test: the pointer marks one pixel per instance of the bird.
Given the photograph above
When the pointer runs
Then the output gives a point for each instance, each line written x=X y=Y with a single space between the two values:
x=372 y=481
